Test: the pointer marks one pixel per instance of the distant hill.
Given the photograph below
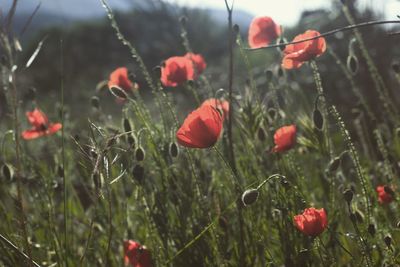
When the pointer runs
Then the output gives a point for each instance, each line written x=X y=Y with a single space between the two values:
x=65 y=13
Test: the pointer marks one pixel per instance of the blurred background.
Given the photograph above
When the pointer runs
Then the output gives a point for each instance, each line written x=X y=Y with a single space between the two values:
x=91 y=50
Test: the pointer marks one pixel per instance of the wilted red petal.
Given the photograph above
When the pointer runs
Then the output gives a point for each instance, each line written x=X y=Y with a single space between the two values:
x=201 y=128
x=384 y=196
x=32 y=134
x=136 y=255
x=120 y=77
x=37 y=118
x=262 y=31
x=311 y=222
x=176 y=70
x=222 y=105
x=296 y=54
x=285 y=138
x=41 y=125
x=198 y=62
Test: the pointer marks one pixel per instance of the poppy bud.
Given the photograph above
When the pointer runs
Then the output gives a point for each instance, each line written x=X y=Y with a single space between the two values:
x=138 y=173
x=183 y=20
x=60 y=171
x=236 y=28
x=272 y=113
x=7 y=171
x=95 y=102
x=131 y=75
x=371 y=229
x=334 y=164
x=250 y=196
x=359 y=216
x=268 y=75
x=261 y=134
x=127 y=125
x=223 y=223
x=31 y=94
x=280 y=72
x=3 y=60
x=157 y=71
x=388 y=240
x=132 y=140
x=118 y=92
x=173 y=150
x=348 y=195
x=282 y=41
x=97 y=180
x=318 y=119
x=353 y=217
x=398 y=224
x=285 y=183
x=396 y=67
x=139 y=154
x=352 y=64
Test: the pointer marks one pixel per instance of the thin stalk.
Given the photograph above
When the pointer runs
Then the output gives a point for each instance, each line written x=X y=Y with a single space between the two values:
x=18 y=251
x=230 y=89
x=63 y=155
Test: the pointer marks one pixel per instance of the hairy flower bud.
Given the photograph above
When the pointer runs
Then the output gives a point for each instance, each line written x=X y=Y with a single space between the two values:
x=250 y=196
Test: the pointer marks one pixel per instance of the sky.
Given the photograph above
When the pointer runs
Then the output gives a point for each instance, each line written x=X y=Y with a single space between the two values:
x=287 y=12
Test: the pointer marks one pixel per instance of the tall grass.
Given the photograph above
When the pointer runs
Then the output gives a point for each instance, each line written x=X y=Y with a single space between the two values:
x=76 y=198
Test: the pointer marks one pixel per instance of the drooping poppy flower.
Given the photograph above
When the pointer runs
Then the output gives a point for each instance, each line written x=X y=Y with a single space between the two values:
x=296 y=54
x=136 y=255
x=262 y=31
x=40 y=125
x=201 y=128
x=177 y=70
x=198 y=62
x=385 y=194
x=120 y=77
x=311 y=222
x=222 y=105
x=285 y=138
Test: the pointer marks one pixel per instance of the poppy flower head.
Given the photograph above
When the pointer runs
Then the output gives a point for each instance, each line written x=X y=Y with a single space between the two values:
x=201 y=128
x=296 y=54
x=176 y=70
x=311 y=222
x=120 y=77
x=136 y=255
x=40 y=125
x=285 y=138
x=262 y=31
x=385 y=194
x=221 y=105
x=198 y=62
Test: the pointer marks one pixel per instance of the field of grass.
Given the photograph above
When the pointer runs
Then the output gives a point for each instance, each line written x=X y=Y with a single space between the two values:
x=262 y=172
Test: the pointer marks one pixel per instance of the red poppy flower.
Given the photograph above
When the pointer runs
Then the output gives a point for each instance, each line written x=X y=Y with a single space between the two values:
x=40 y=125
x=136 y=255
x=284 y=138
x=198 y=62
x=120 y=77
x=385 y=194
x=296 y=54
x=222 y=105
x=176 y=70
x=262 y=31
x=312 y=222
x=201 y=128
